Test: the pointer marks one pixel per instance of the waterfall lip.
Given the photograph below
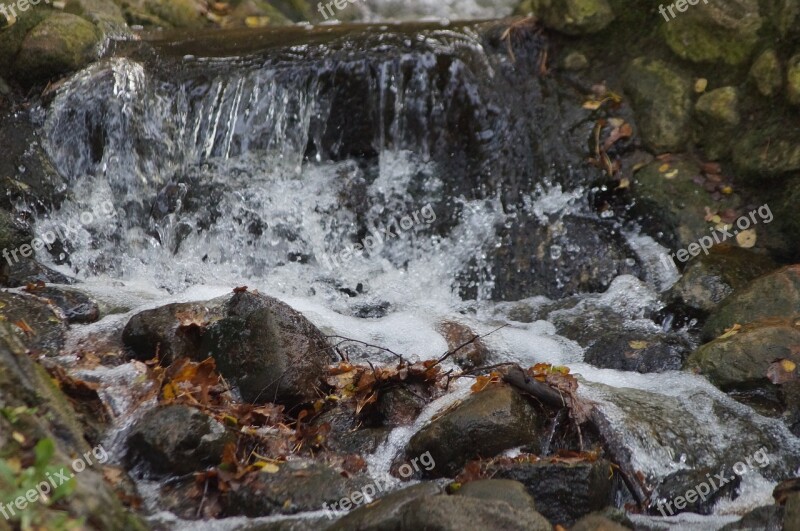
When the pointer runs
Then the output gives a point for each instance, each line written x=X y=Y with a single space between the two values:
x=239 y=42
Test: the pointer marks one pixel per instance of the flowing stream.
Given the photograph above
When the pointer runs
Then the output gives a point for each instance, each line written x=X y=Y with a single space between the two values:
x=258 y=166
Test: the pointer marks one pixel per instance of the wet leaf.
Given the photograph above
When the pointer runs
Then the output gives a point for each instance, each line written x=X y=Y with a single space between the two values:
x=782 y=371
x=730 y=332
x=700 y=85
x=637 y=345
x=747 y=238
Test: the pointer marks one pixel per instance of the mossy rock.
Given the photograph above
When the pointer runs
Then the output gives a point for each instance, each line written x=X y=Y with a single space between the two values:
x=767 y=74
x=11 y=38
x=724 y=32
x=661 y=100
x=775 y=295
x=58 y=45
x=717 y=113
x=741 y=360
x=793 y=80
x=766 y=148
x=104 y=14
x=177 y=13
x=42 y=411
x=573 y=17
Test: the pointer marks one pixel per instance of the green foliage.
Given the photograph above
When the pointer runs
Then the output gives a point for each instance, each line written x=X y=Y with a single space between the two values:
x=17 y=481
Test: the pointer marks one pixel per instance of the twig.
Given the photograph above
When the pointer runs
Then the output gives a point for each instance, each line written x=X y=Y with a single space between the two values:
x=477 y=337
x=346 y=339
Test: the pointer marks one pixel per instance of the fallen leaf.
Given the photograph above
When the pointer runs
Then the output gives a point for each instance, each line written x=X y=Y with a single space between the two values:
x=747 y=238
x=730 y=332
x=782 y=371
x=638 y=345
x=700 y=85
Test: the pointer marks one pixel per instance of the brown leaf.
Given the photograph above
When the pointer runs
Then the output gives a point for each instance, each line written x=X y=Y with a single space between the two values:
x=782 y=371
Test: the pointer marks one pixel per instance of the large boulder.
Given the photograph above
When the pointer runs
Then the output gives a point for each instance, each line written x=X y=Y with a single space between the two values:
x=715 y=31
x=483 y=425
x=260 y=344
x=387 y=512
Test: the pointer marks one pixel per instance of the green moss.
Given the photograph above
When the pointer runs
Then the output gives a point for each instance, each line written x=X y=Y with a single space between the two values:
x=766 y=73
x=178 y=13
x=700 y=43
x=574 y=17
x=59 y=44
x=793 y=80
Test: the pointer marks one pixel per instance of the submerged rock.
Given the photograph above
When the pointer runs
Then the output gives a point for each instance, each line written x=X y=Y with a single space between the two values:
x=484 y=425
x=472 y=355
x=177 y=439
x=672 y=496
x=563 y=492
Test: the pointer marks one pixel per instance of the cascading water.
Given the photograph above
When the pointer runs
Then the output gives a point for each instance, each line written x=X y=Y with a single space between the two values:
x=260 y=168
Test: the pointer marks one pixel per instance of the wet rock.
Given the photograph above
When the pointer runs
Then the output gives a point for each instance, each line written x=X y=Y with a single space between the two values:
x=613 y=341
x=661 y=100
x=709 y=279
x=400 y=406
x=453 y=513
x=177 y=439
x=563 y=492
x=724 y=32
x=741 y=360
x=167 y=331
x=573 y=17
x=59 y=44
x=598 y=522
x=766 y=518
x=791 y=518
x=267 y=349
x=672 y=496
x=509 y=491
x=767 y=73
x=776 y=295
x=297 y=486
x=387 y=512
x=672 y=207
x=263 y=11
x=77 y=306
x=38 y=320
x=558 y=259
x=484 y=425
x=470 y=356
x=261 y=345
x=29 y=271
x=793 y=80
x=44 y=412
